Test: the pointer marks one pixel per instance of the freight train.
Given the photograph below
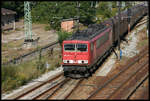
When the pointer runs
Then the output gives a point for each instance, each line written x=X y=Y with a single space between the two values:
x=84 y=50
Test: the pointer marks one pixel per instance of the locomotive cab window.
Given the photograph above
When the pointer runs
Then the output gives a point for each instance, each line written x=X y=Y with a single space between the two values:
x=81 y=47
x=69 y=47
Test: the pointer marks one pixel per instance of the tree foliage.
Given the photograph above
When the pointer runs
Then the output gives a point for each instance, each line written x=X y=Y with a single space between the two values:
x=52 y=12
x=62 y=35
x=103 y=11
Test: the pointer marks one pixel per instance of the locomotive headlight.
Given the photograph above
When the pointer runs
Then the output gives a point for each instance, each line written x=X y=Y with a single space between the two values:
x=82 y=61
x=79 y=61
x=68 y=61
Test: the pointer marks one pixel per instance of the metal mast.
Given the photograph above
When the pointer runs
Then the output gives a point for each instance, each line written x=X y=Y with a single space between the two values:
x=78 y=17
x=119 y=18
x=27 y=22
x=129 y=16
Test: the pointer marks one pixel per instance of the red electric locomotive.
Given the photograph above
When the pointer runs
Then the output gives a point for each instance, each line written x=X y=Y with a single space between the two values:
x=83 y=50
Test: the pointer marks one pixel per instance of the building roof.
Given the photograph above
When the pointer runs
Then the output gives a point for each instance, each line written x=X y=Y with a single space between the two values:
x=7 y=11
x=70 y=19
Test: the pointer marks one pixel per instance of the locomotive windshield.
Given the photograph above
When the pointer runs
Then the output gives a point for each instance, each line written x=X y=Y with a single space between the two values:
x=75 y=47
x=81 y=47
x=69 y=47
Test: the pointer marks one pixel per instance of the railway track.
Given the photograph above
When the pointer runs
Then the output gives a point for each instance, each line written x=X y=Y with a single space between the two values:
x=50 y=92
x=35 y=90
x=143 y=21
x=64 y=90
x=117 y=87
x=142 y=91
x=45 y=88
x=58 y=87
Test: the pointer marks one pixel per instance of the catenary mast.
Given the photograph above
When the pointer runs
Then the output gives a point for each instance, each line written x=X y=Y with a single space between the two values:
x=27 y=22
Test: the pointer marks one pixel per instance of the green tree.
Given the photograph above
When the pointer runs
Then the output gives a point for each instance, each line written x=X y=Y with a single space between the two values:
x=53 y=12
x=103 y=12
x=62 y=35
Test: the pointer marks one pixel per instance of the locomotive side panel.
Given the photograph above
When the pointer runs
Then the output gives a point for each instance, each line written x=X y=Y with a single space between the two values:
x=101 y=45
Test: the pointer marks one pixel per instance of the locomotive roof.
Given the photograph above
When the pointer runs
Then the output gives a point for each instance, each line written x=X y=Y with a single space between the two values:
x=89 y=33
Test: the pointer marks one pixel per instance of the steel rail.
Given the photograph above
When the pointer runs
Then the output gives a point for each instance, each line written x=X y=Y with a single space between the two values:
x=145 y=78
x=34 y=88
x=133 y=74
x=129 y=65
x=50 y=95
x=73 y=89
x=53 y=86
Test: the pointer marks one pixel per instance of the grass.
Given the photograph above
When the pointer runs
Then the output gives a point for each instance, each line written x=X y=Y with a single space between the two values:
x=14 y=76
x=142 y=43
x=13 y=53
x=143 y=39
x=4 y=47
x=47 y=28
x=18 y=29
x=12 y=44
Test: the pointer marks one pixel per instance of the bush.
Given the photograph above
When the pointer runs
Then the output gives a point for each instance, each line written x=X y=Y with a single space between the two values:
x=14 y=76
x=62 y=35
x=8 y=71
x=47 y=28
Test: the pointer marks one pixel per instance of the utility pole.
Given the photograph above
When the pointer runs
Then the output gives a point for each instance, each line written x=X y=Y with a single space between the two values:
x=78 y=17
x=147 y=19
x=119 y=19
x=129 y=16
